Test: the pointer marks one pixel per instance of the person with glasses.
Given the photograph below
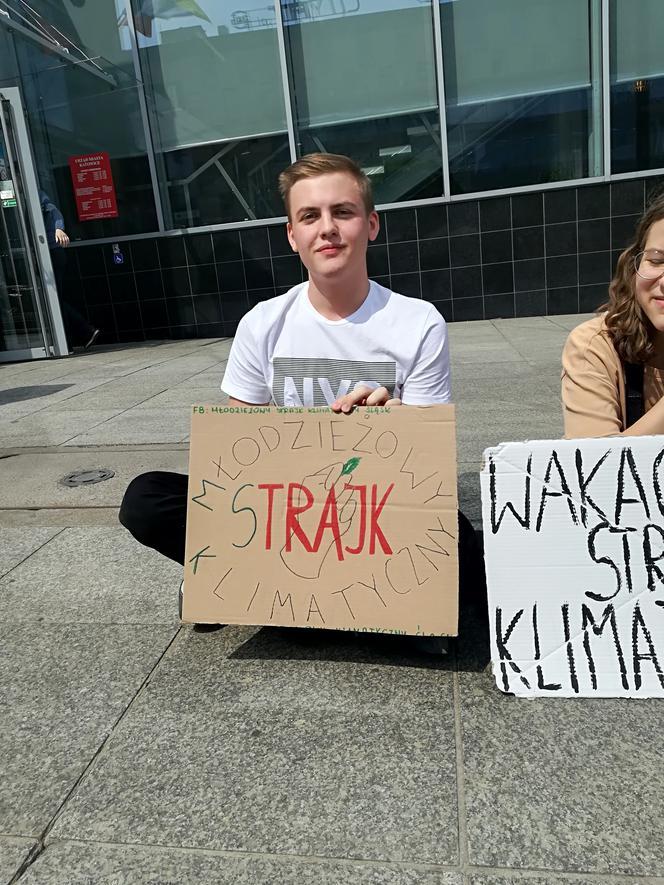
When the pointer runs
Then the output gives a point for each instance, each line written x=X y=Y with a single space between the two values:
x=613 y=364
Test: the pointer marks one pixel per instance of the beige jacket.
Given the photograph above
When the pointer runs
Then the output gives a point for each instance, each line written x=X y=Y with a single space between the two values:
x=593 y=383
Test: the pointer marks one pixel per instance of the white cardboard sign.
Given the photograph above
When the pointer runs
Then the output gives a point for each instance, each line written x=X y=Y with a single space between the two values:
x=574 y=547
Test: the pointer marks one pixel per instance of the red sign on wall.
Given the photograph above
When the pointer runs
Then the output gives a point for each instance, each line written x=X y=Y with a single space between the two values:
x=93 y=186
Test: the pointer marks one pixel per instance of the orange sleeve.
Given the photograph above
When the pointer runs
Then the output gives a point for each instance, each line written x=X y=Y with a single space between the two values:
x=591 y=385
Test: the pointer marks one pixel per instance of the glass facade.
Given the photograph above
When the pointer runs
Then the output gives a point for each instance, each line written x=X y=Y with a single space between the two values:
x=199 y=104
x=637 y=85
x=78 y=102
x=363 y=83
x=217 y=111
x=519 y=113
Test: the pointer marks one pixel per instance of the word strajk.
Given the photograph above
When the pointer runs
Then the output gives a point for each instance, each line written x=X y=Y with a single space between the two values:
x=329 y=518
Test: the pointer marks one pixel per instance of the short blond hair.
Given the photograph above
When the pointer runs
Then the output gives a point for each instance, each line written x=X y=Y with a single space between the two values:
x=313 y=165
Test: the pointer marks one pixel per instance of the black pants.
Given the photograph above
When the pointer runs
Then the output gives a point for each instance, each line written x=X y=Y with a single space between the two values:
x=154 y=510
x=77 y=328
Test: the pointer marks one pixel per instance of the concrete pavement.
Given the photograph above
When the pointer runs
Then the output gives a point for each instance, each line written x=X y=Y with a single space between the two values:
x=136 y=750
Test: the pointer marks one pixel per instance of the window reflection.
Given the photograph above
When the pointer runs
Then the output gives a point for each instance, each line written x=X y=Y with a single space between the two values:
x=519 y=113
x=637 y=85
x=81 y=97
x=363 y=80
x=214 y=90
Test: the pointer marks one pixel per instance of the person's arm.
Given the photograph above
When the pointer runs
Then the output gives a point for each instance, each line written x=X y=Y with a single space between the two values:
x=591 y=392
x=650 y=424
x=49 y=208
x=238 y=402
x=244 y=379
x=429 y=380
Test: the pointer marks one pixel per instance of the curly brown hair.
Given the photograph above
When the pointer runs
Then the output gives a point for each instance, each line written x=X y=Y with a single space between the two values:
x=629 y=328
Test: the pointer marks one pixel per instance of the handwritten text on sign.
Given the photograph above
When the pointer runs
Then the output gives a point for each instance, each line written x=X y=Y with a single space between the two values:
x=301 y=517
x=574 y=540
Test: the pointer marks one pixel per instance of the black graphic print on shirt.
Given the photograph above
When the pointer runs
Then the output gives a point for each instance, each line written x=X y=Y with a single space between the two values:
x=319 y=382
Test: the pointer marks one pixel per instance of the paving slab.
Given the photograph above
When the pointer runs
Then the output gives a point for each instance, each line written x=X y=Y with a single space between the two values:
x=71 y=863
x=530 y=326
x=33 y=480
x=96 y=371
x=184 y=397
x=536 y=390
x=333 y=758
x=530 y=878
x=513 y=418
x=475 y=434
x=180 y=367
x=62 y=688
x=51 y=428
x=540 y=353
x=481 y=369
x=19 y=543
x=142 y=424
x=481 y=330
x=569 y=321
x=26 y=399
x=13 y=852
x=528 y=331
x=564 y=785
x=94 y=575
x=116 y=396
x=11 y=392
x=206 y=379
x=492 y=352
x=58 y=517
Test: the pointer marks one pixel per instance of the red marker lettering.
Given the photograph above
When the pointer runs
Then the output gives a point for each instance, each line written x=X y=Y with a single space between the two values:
x=293 y=527
x=271 y=487
x=329 y=520
x=374 y=529
x=363 y=517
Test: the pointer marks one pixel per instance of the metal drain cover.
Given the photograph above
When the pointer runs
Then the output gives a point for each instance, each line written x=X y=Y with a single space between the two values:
x=87 y=477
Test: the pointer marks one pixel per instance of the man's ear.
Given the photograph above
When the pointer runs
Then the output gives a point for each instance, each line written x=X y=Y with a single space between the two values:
x=374 y=225
x=291 y=238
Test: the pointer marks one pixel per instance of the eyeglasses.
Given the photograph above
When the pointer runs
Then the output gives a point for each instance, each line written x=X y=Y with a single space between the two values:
x=649 y=265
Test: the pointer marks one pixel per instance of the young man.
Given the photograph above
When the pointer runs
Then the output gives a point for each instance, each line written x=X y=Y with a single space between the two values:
x=339 y=339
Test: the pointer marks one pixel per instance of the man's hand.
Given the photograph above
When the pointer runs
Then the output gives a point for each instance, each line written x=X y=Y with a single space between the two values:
x=364 y=396
x=61 y=237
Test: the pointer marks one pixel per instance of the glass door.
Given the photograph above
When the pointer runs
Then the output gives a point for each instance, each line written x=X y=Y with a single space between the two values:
x=30 y=319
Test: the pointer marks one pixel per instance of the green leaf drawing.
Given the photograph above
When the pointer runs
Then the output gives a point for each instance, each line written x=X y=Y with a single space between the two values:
x=350 y=465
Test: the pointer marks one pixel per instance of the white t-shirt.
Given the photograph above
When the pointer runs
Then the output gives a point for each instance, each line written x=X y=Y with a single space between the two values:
x=287 y=353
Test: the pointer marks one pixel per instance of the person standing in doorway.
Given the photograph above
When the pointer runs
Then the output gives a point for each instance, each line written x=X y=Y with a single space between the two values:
x=80 y=332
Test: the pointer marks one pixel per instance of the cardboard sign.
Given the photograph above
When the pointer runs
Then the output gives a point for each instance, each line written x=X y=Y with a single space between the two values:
x=94 y=190
x=301 y=517
x=574 y=545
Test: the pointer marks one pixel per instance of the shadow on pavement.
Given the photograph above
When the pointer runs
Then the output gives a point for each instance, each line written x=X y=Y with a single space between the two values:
x=469 y=652
x=19 y=394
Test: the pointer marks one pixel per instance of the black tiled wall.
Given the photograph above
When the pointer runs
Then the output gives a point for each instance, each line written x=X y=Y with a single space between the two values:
x=522 y=255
